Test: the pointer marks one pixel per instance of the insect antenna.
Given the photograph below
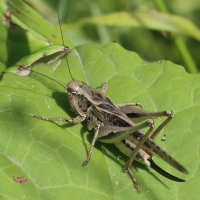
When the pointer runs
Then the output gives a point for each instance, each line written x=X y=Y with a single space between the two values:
x=21 y=67
x=65 y=48
x=46 y=77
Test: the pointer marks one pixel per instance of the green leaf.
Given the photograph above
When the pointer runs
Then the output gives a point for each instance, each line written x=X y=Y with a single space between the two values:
x=30 y=33
x=33 y=20
x=50 y=154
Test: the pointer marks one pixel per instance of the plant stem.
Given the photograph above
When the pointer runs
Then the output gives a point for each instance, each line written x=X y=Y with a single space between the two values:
x=179 y=42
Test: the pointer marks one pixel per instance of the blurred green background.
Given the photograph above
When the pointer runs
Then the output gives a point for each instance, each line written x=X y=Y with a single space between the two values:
x=144 y=31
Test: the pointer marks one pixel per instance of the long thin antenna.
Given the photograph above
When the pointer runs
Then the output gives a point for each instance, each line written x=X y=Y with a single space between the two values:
x=21 y=67
x=65 y=48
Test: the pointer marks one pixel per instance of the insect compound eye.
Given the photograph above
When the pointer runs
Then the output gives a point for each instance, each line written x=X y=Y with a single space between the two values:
x=70 y=96
x=72 y=90
x=74 y=86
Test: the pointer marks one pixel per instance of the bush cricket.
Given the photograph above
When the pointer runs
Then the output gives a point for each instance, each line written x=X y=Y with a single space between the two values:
x=112 y=124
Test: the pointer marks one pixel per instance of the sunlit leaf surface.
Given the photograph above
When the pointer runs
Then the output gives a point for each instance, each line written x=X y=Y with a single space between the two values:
x=50 y=154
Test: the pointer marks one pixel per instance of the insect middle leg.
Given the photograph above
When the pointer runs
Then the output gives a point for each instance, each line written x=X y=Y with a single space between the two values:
x=112 y=134
x=98 y=124
x=103 y=87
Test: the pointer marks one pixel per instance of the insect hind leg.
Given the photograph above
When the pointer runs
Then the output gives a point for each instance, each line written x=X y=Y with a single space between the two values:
x=128 y=165
x=136 y=184
x=125 y=105
x=170 y=116
x=138 y=115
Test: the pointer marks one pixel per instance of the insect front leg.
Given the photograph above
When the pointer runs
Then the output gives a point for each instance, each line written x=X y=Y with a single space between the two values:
x=81 y=117
x=77 y=119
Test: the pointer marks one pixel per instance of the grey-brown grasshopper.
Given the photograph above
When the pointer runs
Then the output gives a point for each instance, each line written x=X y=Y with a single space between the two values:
x=112 y=124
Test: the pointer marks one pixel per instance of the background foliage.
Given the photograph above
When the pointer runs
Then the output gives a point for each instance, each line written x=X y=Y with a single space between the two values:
x=136 y=25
